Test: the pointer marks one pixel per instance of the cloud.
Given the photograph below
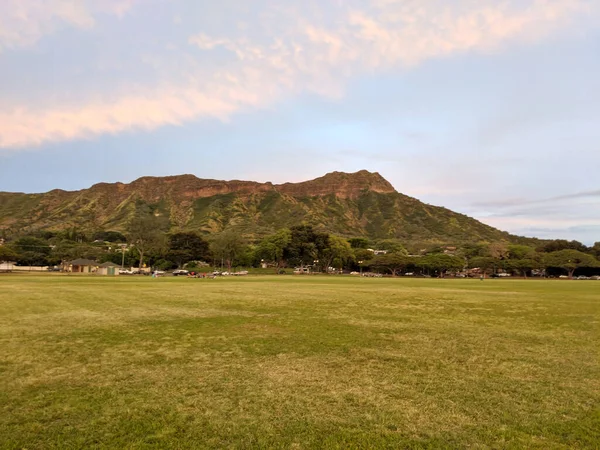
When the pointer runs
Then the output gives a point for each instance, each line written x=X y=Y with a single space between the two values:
x=523 y=201
x=166 y=107
x=568 y=216
x=587 y=232
x=24 y=22
x=586 y=194
x=257 y=65
x=117 y=7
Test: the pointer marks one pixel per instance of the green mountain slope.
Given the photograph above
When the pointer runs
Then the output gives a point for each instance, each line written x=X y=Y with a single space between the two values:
x=358 y=204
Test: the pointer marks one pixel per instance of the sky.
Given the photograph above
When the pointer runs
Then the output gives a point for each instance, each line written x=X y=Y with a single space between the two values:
x=487 y=107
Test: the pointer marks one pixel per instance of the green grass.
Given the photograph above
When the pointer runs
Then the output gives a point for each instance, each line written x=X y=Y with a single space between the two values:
x=292 y=362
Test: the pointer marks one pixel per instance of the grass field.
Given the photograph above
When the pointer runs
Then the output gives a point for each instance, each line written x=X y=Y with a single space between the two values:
x=286 y=362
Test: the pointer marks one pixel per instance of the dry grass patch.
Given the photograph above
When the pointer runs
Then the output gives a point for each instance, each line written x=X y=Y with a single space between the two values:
x=286 y=362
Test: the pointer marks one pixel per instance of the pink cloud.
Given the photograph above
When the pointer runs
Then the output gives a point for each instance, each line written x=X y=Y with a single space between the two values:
x=24 y=22
x=271 y=59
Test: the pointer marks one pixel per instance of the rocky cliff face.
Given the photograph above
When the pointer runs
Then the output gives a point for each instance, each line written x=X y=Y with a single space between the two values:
x=155 y=189
x=342 y=185
x=351 y=204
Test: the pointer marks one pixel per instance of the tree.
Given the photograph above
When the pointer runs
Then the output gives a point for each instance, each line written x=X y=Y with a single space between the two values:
x=442 y=263
x=596 y=249
x=32 y=251
x=484 y=263
x=521 y=252
x=522 y=259
x=562 y=244
x=247 y=256
x=129 y=258
x=186 y=247
x=306 y=245
x=392 y=262
x=272 y=248
x=392 y=246
x=361 y=254
x=359 y=243
x=75 y=235
x=109 y=236
x=570 y=260
x=523 y=266
x=7 y=254
x=227 y=246
x=32 y=244
x=338 y=250
x=474 y=250
x=144 y=233
x=498 y=250
x=68 y=250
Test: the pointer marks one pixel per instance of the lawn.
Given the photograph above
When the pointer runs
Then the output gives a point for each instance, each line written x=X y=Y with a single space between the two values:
x=293 y=362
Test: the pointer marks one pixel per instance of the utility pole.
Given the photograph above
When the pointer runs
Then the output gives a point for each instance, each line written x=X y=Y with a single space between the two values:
x=122 y=257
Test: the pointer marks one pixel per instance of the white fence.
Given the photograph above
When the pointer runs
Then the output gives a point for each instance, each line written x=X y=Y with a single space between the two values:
x=11 y=267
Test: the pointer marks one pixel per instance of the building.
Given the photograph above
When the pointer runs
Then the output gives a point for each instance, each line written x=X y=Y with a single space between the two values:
x=7 y=266
x=108 y=269
x=377 y=252
x=82 y=266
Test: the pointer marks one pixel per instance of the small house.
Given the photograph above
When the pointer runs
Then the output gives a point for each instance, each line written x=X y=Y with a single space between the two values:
x=82 y=266
x=108 y=269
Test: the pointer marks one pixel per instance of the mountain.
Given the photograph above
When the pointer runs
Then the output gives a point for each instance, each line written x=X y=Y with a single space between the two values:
x=349 y=204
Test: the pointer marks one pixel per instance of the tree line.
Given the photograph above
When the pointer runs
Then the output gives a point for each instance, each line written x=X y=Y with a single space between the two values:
x=147 y=243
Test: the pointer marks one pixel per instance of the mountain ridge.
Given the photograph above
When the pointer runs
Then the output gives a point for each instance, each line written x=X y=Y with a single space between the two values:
x=362 y=203
x=364 y=174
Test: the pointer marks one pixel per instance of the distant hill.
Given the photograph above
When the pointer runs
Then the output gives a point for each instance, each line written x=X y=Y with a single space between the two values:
x=348 y=204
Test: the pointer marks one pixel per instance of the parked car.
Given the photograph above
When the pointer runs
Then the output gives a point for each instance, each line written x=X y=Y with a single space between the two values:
x=180 y=272
x=125 y=272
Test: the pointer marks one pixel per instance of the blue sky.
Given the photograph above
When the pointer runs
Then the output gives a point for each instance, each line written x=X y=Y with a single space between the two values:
x=487 y=107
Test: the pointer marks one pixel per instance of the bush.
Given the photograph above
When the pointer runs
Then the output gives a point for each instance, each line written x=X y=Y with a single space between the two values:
x=163 y=264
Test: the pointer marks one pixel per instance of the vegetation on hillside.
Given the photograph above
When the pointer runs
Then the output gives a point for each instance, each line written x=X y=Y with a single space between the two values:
x=349 y=205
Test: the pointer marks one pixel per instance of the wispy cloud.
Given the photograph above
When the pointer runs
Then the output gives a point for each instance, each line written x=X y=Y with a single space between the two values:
x=286 y=50
x=24 y=22
x=568 y=216
x=524 y=201
x=587 y=232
